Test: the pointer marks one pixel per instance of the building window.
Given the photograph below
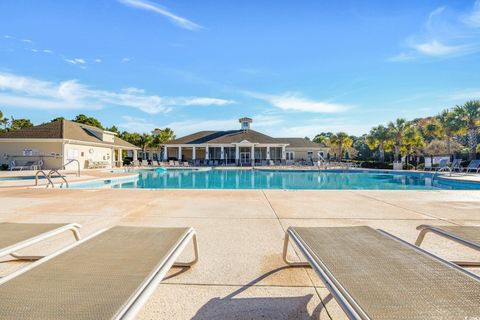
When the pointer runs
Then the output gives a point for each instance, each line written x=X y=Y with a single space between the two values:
x=310 y=155
x=290 y=155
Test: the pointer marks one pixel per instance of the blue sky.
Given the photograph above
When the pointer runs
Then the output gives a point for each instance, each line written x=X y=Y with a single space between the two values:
x=296 y=67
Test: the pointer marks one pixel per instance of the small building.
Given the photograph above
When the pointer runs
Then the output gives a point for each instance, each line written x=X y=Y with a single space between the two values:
x=56 y=143
x=244 y=147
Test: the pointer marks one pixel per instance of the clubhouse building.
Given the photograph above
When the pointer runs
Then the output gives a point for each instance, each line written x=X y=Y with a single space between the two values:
x=63 y=144
x=242 y=147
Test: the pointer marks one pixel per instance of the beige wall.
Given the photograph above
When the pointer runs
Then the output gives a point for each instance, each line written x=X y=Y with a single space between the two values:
x=82 y=154
x=302 y=153
x=44 y=148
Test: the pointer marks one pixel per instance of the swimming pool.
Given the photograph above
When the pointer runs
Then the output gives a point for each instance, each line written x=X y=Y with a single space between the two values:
x=270 y=179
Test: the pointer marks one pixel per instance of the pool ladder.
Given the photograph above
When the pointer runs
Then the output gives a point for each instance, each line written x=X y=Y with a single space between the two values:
x=49 y=178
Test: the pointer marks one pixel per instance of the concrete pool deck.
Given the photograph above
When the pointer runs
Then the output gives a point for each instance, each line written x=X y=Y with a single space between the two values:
x=240 y=274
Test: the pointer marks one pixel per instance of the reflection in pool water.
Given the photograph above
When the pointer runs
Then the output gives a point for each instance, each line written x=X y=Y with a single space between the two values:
x=267 y=179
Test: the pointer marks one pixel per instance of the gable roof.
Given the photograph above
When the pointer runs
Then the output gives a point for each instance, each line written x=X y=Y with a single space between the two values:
x=299 y=143
x=237 y=136
x=230 y=136
x=64 y=129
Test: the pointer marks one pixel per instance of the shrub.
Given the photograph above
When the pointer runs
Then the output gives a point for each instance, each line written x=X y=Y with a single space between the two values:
x=376 y=165
x=4 y=167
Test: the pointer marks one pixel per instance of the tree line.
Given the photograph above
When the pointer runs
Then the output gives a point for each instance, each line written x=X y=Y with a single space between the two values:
x=452 y=131
x=143 y=141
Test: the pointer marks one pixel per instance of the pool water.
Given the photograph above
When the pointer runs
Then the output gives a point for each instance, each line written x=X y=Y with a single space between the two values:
x=269 y=179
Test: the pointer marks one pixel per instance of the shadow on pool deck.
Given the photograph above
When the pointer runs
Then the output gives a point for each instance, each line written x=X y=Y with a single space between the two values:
x=231 y=307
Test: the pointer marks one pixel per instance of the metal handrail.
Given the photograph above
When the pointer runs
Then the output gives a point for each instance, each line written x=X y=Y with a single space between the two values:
x=60 y=176
x=46 y=177
x=71 y=161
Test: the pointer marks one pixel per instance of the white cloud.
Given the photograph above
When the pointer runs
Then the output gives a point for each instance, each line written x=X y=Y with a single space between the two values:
x=125 y=60
x=97 y=60
x=445 y=34
x=34 y=50
x=134 y=124
x=401 y=57
x=27 y=92
x=7 y=37
x=436 y=48
x=47 y=51
x=466 y=94
x=27 y=41
x=296 y=102
x=472 y=19
x=150 y=6
x=76 y=61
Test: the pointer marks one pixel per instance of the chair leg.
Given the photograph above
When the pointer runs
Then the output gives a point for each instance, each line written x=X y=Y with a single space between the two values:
x=285 y=253
x=195 y=251
x=75 y=231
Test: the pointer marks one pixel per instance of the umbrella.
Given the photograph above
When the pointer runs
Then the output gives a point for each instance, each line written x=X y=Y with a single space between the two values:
x=334 y=157
x=328 y=156
x=346 y=155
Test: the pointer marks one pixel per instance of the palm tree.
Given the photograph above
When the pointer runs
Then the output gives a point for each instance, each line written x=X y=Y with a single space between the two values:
x=5 y=122
x=145 y=141
x=397 y=131
x=378 y=138
x=469 y=114
x=448 y=126
x=341 y=140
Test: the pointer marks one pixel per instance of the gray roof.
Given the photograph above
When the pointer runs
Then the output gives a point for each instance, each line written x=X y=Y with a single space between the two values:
x=63 y=129
x=236 y=136
x=299 y=143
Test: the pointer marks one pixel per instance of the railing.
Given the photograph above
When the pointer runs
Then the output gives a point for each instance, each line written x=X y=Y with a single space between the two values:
x=71 y=161
x=49 y=180
x=60 y=176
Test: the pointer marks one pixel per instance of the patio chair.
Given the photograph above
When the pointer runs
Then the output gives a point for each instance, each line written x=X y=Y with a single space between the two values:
x=144 y=163
x=27 y=166
x=176 y=163
x=473 y=166
x=442 y=165
x=108 y=275
x=456 y=165
x=468 y=236
x=171 y=163
x=17 y=236
x=375 y=275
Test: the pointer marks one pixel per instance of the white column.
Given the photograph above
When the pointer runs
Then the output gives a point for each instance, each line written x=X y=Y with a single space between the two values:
x=159 y=154
x=222 y=152
x=237 y=153
x=284 y=154
x=150 y=155
x=194 y=155
x=179 y=153
x=268 y=152
x=252 y=154
x=135 y=155
x=120 y=157
x=207 y=155
x=165 y=153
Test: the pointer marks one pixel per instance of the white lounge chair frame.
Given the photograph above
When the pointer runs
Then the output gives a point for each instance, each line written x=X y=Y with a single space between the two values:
x=11 y=250
x=132 y=307
x=424 y=229
x=345 y=300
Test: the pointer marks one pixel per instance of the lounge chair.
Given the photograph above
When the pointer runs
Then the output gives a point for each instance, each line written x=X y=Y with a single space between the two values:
x=176 y=163
x=17 y=236
x=27 y=166
x=473 y=166
x=466 y=235
x=108 y=275
x=456 y=165
x=442 y=165
x=374 y=275
x=144 y=163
